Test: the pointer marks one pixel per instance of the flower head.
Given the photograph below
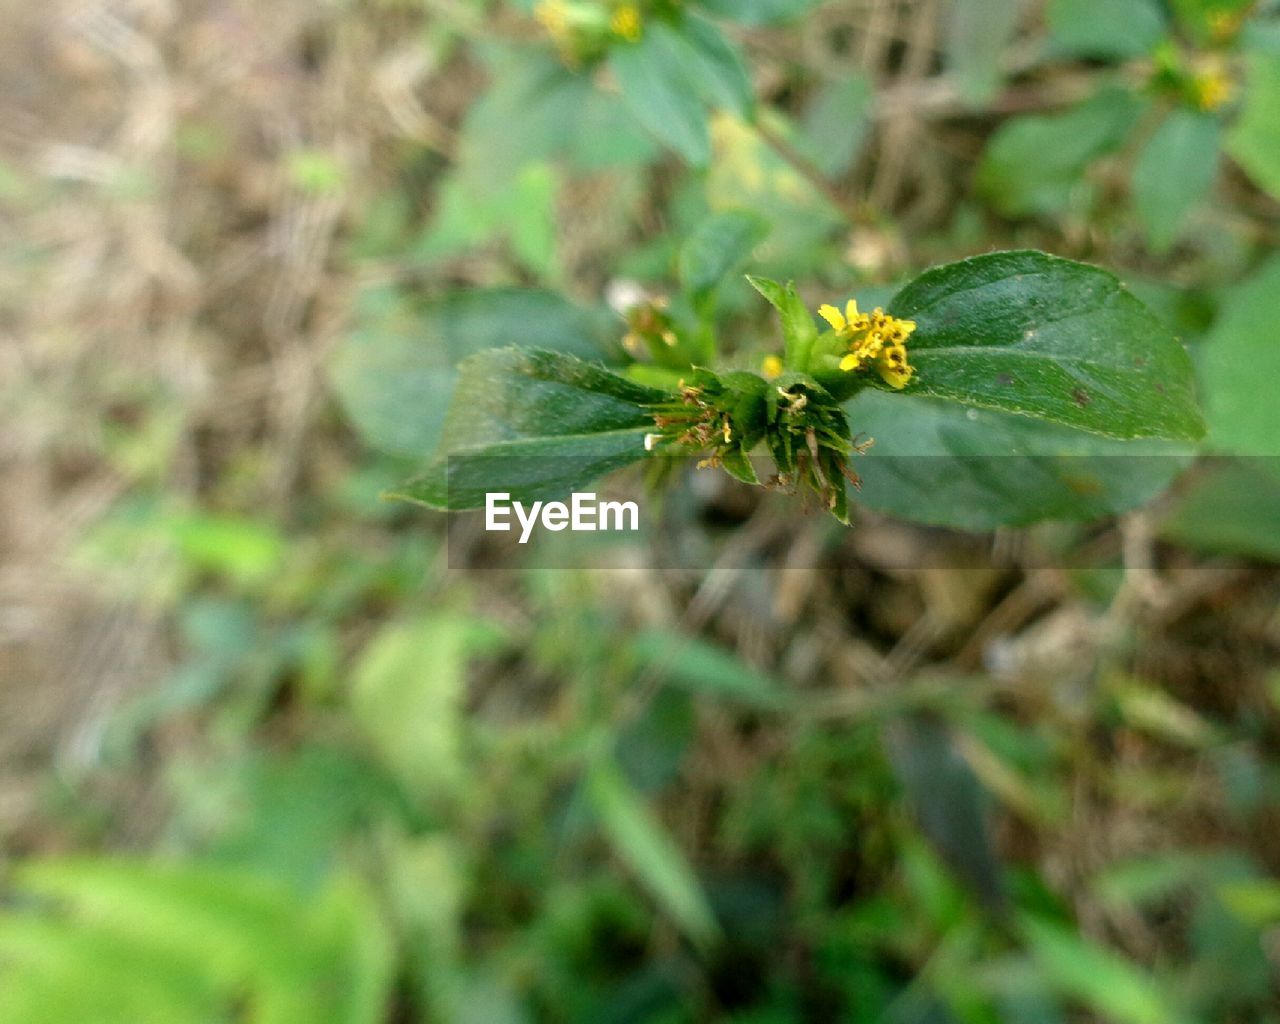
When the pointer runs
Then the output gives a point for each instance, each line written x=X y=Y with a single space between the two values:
x=770 y=367
x=724 y=418
x=874 y=338
x=1211 y=88
x=625 y=22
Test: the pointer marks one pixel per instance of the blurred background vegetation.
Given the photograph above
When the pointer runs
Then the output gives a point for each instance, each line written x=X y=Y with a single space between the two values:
x=268 y=754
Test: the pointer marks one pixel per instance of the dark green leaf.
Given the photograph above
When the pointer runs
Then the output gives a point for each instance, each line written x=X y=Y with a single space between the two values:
x=975 y=469
x=1035 y=334
x=948 y=801
x=1174 y=173
x=535 y=424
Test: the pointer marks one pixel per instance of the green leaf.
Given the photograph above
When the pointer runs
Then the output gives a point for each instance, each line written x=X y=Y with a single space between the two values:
x=1256 y=902
x=1231 y=509
x=1239 y=362
x=716 y=247
x=1106 y=28
x=1035 y=334
x=716 y=66
x=536 y=109
x=535 y=424
x=949 y=803
x=799 y=331
x=199 y=930
x=1149 y=709
x=703 y=668
x=606 y=134
x=1098 y=978
x=246 y=551
x=648 y=849
x=521 y=213
x=1254 y=141
x=977 y=33
x=406 y=693
x=1174 y=173
x=663 y=92
x=527 y=114
x=1034 y=165
x=757 y=12
x=396 y=373
x=976 y=469
x=836 y=123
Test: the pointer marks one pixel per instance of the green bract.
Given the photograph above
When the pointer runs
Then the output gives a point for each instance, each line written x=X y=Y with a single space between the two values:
x=1028 y=336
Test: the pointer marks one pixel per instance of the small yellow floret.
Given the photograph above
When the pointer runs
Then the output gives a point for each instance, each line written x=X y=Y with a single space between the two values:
x=770 y=367
x=1211 y=89
x=832 y=316
x=872 y=337
x=893 y=367
x=625 y=22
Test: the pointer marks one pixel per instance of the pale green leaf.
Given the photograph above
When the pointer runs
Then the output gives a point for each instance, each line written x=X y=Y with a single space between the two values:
x=663 y=92
x=1106 y=28
x=1254 y=141
x=1174 y=173
x=642 y=842
x=1239 y=363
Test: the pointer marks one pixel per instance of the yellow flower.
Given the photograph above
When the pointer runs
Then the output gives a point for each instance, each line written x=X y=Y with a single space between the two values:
x=874 y=337
x=771 y=367
x=893 y=367
x=625 y=22
x=1211 y=89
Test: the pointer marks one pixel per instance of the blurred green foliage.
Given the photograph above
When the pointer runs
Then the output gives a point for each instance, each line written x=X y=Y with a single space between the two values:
x=385 y=788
